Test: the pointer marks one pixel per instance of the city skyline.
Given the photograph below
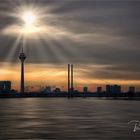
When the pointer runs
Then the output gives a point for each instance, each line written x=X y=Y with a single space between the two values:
x=61 y=78
x=6 y=87
x=103 y=46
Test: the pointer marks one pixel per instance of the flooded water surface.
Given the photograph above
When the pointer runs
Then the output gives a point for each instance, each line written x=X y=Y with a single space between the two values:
x=65 y=119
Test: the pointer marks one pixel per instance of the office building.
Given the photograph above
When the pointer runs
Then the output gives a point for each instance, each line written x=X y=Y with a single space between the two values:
x=112 y=89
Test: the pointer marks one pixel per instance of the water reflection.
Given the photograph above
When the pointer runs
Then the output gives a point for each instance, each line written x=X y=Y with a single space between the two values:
x=61 y=118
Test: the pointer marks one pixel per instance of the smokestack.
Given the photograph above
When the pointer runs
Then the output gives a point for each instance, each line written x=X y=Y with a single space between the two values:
x=68 y=78
x=72 y=79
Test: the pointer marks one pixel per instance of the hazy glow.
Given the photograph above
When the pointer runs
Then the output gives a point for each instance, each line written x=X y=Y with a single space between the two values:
x=30 y=23
x=28 y=29
x=29 y=18
x=33 y=23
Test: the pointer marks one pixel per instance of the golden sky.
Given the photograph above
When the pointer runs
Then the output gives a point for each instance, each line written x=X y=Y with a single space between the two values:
x=41 y=75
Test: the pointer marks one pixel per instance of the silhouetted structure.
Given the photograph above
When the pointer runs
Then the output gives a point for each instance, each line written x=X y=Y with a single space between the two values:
x=99 y=91
x=57 y=90
x=47 y=89
x=85 y=89
x=22 y=58
x=5 y=86
x=113 y=90
x=70 y=80
x=131 y=92
x=72 y=89
x=116 y=89
x=132 y=89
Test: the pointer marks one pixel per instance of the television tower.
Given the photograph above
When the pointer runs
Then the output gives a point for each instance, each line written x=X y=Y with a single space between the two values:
x=22 y=58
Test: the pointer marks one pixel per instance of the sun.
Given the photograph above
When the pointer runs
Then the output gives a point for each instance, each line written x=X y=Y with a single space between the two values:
x=30 y=22
x=28 y=17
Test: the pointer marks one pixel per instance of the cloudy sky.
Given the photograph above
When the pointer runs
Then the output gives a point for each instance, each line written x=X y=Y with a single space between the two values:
x=100 y=37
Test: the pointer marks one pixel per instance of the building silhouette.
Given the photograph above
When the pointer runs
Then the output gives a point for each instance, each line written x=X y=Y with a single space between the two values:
x=112 y=89
x=116 y=89
x=108 y=89
x=5 y=86
x=22 y=58
x=85 y=89
x=131 y=92
x=99 y=90
x=46 y=89
x=131 y=89
x=57 y=90
x=70 y=80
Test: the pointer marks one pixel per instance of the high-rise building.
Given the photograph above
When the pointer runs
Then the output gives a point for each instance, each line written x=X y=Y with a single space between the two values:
x=113 y=89
x=5 y=86
x=22 y=58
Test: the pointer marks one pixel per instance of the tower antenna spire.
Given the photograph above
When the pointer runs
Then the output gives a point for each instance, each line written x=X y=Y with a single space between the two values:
x=22 y=48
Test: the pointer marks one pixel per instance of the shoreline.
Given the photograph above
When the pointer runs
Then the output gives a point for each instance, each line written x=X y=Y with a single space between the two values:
x=66 y=95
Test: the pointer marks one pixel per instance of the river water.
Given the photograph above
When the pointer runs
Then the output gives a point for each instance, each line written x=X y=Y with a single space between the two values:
x=66 y=119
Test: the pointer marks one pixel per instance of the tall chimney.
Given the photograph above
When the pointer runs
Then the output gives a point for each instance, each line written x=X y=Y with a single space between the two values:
x=68 y=79
x=72 y=79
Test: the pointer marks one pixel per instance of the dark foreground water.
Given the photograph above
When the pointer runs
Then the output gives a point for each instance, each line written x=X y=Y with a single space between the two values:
x=64 y=119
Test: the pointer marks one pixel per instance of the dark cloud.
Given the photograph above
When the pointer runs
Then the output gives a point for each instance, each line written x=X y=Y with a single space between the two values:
x=111 y=73
x=94 y=32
